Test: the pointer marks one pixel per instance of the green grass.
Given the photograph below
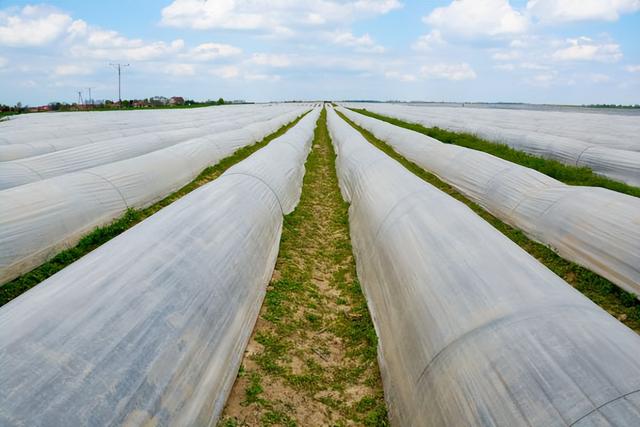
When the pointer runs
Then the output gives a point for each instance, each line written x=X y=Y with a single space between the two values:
x=571 y=175
x=5 y=115
x=130 y=218
x=607 y=295
x=311 y=345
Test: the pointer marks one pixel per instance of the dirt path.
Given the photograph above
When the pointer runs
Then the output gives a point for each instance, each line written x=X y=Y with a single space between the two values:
x=312 y=358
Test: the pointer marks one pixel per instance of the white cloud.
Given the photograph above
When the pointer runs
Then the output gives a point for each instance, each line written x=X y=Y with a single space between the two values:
x=180 y=69
x=557 y=11
x=235 y=72
x=317 y=61
x=271 y=60
x=262 y=77
x=102 y=44
x=533 y=66
x=429 y=41
x=505 y=67
x=506 y=56
x=477 y=18
x=96 y=43
x=586 y=49
x=363 y=43
x=226 y=72
x=543 y=80
x=32 y=26
x=270 y=16
x=633 y=68
x=510 y=66
x=28 y=84
x=212 y=51
x=403 y=77
x=599 y=78
x=461 y=71
x=200 y=15
x=73 y=70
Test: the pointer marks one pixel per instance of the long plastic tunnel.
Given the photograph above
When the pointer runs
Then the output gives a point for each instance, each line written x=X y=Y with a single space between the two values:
x=104 y=151
x=594 y=227
x=41 y=218
x=31 y=135
x=472 y=329
x=606 y=143
x=150 y=328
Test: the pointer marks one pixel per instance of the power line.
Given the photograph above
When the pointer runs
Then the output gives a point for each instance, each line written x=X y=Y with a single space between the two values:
x=90 y=98
x=118 y=67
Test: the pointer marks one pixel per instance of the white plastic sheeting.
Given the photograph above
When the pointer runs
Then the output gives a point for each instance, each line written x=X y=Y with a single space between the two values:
x=606 y=143
x=150 y=328
x=473 y=331
x=23 y=171
x=35 y=134
x=41 y=218
x=594 y=227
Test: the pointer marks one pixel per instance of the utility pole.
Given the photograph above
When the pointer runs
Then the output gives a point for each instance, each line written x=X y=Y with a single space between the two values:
x=118 y=67
x=80 y=100
x=90 y=98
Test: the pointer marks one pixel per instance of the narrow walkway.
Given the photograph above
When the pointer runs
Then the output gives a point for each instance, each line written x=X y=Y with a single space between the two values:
x=312 y=358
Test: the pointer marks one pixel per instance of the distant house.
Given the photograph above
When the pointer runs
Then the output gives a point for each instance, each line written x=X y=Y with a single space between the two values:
x=158 y=100
x=176 y=100
x=40 y=109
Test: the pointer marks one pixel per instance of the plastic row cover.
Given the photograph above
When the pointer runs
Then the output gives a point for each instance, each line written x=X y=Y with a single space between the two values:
x=21 y=127
x=29 y=127
x=41 y=146
x=41 y=218
x=150 y=328
x=23 y=171
x=472 y=329
x=612 y=130
x=594 y=227
x=603 y=157
x=41 y=141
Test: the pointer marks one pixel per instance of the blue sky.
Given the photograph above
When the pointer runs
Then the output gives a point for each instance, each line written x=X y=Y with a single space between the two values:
x=541 y=51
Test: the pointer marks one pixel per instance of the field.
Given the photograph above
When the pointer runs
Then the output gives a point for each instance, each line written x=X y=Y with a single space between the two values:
x=319 y=264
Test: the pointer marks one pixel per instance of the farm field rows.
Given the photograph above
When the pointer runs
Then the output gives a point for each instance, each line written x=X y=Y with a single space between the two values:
x=454 y=353
x=234 y=276
x=594 y=227
x=608 y=144
x=45 y=216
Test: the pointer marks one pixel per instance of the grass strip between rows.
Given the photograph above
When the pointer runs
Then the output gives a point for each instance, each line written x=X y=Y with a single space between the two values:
x=570 y=175
x=616 y=301
x=312 y=358
x=131 y=217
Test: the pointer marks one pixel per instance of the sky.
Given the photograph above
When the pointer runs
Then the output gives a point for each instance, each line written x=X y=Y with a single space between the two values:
x=537 y=51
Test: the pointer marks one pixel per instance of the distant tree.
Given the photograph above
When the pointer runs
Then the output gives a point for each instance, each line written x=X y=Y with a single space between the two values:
x=220 y=101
